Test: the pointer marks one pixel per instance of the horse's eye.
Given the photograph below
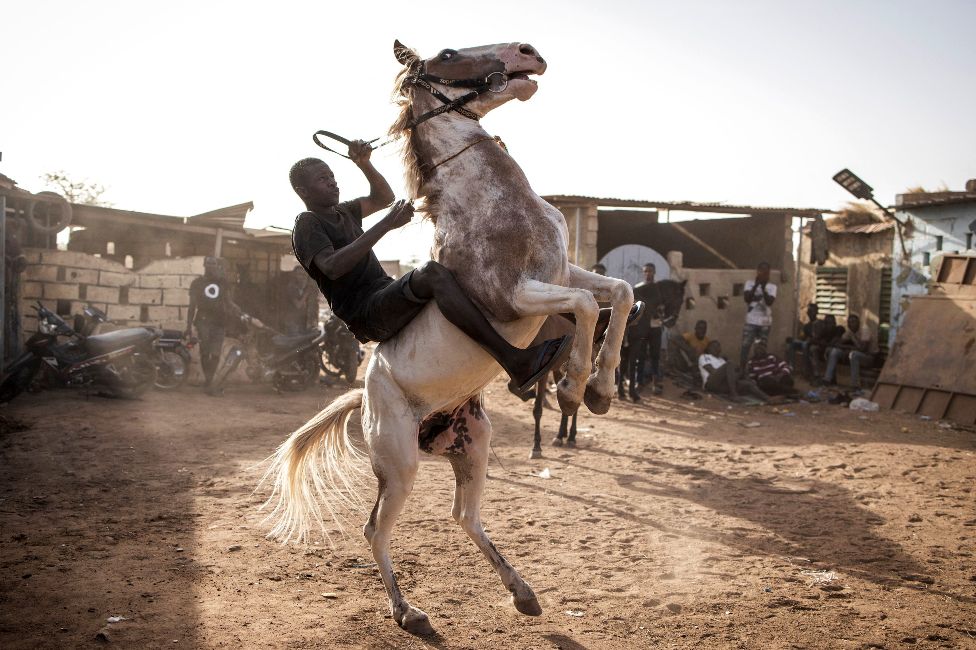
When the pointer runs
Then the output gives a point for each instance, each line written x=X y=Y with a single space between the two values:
x=447 y=55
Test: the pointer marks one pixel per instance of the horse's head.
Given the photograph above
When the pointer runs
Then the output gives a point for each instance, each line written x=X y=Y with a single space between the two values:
x=501 y=70
x=672 y=295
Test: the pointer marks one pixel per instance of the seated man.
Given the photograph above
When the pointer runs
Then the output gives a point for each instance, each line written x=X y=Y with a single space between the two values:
x=854 y=345
x=330 y=244
x=824 y=334
x=802 y=343
x=684 y=350
x=718 y=375
x=771 y=374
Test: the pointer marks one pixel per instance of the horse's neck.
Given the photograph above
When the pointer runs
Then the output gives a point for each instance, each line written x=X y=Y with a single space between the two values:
x=446 y=135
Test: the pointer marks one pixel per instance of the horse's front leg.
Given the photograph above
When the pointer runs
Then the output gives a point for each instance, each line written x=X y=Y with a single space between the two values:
x=534 y=298
x=599 y=387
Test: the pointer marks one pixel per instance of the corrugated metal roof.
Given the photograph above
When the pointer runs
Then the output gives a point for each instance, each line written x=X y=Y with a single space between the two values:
x=232 y=217
x=932 y=199
x=862 y=229
x=686 y=206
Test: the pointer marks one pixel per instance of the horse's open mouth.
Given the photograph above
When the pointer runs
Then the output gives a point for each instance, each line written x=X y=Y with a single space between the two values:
x=520 y=75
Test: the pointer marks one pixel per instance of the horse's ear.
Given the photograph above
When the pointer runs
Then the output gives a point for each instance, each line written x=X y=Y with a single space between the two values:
x=403 y=54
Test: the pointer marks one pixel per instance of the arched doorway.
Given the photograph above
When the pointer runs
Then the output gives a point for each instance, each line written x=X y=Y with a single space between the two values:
x=627 y=263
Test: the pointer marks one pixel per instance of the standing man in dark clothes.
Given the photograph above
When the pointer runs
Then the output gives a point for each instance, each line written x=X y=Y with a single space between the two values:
x=210 y=306
x=645 y=335
x=332 y=247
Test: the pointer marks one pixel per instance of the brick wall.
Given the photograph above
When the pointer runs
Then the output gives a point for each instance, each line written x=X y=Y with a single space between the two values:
x=66 y=281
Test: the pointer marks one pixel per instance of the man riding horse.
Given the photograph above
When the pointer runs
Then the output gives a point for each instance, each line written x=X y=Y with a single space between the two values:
x=507 y=250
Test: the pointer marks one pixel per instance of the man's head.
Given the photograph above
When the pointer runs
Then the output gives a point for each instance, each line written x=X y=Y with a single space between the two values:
x=599 y=269
x=813 y=311
x=714 y=348
x=701 y=328
x=854 y=323
x=759 y=350
x=314 y=182
x=830 y=320
x=212 y=267
x=649 y=271
x=762 y=273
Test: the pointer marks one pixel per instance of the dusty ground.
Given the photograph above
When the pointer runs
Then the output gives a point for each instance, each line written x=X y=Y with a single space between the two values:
x=672 y=525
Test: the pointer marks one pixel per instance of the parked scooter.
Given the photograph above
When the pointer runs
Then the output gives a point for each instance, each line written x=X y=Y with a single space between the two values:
x=172 y=349
x=341 y=353
x=286 y=362
x=120 y=361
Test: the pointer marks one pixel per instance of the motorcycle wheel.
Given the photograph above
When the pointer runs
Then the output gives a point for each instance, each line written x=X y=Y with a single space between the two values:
x=309 y=366
x=329 y=366
x=172 y=369
x=136 y=375
x=17 y=382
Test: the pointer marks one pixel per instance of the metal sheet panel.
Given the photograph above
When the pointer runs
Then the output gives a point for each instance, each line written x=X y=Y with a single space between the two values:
x=936 y=346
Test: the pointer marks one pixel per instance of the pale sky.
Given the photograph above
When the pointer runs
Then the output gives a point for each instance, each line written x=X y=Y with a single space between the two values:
x=184 y=107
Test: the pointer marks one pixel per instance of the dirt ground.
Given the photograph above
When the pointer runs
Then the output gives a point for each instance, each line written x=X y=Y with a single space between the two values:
x=671 y=525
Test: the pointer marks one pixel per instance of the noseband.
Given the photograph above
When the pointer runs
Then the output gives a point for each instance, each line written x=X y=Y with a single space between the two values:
x=495 y=82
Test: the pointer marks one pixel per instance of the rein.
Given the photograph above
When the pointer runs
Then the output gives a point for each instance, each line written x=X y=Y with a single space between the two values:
x=495 y=82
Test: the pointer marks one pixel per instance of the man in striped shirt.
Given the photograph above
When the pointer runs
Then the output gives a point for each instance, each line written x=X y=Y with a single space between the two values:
x=772 y=374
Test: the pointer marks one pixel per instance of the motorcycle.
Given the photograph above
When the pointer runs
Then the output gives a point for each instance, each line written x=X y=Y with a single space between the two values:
x=286 y=362
x=341 y=353
x=172 y=350
x=120 y=361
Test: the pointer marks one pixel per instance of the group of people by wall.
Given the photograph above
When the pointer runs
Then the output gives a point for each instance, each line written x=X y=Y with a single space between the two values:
x=696 y=361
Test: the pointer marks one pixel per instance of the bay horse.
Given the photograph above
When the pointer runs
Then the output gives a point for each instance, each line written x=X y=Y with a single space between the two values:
x=508 y=249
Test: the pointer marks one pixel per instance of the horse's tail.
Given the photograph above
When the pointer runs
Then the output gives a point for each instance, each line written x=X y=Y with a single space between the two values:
x=317 y=465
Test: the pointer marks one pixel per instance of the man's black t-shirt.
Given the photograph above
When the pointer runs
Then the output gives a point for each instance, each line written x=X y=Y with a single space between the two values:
x=211 y=296
x=651 y=295
x=315 y=233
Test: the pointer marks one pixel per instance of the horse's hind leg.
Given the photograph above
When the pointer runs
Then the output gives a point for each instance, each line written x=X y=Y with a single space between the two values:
x=392 y=441
x=469 y=458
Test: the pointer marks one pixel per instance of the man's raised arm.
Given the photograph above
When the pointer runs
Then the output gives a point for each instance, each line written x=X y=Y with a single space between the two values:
x=380 y=193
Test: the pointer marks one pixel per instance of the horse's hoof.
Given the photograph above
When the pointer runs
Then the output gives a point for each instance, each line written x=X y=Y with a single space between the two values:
x=416 y=622
x=528 y=606
x=567 y=404
x=557 y=442
x=596 y=403
x=535 y=453
x=571 y=443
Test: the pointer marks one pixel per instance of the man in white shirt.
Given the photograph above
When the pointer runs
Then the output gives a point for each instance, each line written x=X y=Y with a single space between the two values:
x=759 y=295
x=855 y=345
x=718 y=376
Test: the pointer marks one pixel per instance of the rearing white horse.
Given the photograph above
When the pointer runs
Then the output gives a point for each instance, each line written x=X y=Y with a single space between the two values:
x=508 y=249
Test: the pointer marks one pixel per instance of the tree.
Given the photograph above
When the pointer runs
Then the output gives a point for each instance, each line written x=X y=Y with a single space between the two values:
x=82 y=192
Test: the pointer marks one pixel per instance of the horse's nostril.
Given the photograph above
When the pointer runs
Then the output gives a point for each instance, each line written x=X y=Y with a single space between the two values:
x=527 y=49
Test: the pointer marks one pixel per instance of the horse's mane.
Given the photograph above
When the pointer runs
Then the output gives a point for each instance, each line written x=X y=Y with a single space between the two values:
x=413 y=173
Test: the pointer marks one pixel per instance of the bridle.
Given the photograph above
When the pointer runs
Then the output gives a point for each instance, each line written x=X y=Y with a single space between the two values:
x=495 y=82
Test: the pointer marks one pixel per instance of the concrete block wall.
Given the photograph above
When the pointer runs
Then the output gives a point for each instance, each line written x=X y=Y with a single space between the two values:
x=713 y=291
x=66 y=281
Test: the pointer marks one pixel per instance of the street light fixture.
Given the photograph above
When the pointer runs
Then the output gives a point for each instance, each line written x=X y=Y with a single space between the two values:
x=850 y=182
